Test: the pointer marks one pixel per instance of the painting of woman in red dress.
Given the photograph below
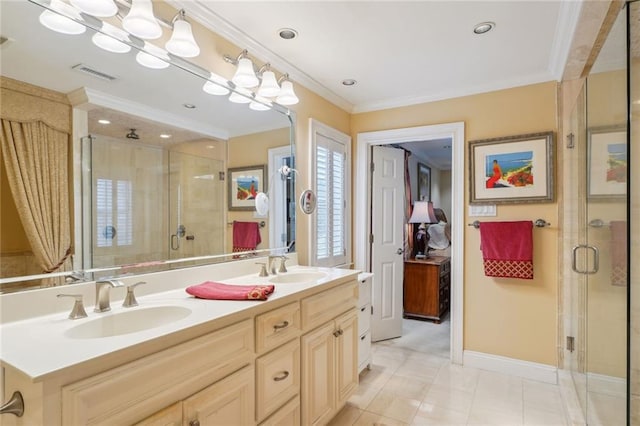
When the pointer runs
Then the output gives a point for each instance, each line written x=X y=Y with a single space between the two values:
x=497 y=175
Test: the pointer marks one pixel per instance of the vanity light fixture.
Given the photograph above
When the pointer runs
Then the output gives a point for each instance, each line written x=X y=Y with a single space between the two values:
x=245 y=75
x=182 y=42
x=240 y=96
x=260 y=104
x=484 y=27
x=141 y=22
x=62 y=20
x=269 y=87
x=287 y=96
x=153 y=57
x=99 y=8
x=109 y=39
x=216 y=85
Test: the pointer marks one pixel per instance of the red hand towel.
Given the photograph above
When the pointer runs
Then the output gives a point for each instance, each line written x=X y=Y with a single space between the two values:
x=246 y=236
x=219 y=291
x=507 y=249
x=618 y=252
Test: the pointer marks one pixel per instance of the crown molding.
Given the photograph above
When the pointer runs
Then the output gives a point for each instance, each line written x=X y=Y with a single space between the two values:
x=201 y=12
x=568 y=17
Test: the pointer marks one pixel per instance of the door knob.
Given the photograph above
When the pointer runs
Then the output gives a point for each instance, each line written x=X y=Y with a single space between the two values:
x=399 y=251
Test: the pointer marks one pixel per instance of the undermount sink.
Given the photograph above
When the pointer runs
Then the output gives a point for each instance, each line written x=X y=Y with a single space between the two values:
x=137 y=319
x=298 y=277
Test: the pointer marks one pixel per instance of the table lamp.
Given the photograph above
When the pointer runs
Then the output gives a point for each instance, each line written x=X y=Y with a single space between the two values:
x=423 y=214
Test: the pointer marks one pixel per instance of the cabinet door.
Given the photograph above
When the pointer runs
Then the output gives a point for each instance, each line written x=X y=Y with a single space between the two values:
x=318 y=375
x=346 y=356
x=227 y=402
x=170 y=416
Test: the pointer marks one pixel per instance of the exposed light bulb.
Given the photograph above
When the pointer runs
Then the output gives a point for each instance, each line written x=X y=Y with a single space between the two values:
x=141 y=22
x=182 y=42
x=245 y=76
x=109 y=39
x=60 y=21
x=287 y=96
x=269 y=87
x=150 y=57
x=216 y=85
x=99 y=8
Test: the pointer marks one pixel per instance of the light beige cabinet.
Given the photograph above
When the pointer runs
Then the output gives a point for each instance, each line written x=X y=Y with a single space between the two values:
x=330 y=371
x=364 y=321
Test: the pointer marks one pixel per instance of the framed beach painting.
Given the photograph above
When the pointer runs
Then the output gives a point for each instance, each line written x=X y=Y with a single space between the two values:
x=607 y=171
x=244 y=185
x=514 y=169
x=424 y=182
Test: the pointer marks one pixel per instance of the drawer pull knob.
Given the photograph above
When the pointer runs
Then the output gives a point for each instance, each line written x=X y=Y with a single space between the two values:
x=362 y=338
x=280 y=326
x=281 y=377
x=195 y=422
x=363 y=308
x=336 y=333
x=14 y=406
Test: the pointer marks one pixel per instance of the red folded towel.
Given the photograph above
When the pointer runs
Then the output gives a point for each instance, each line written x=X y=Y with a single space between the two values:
x=219 y=291
x=507 y=249
x=246 y=236
x=618 y=252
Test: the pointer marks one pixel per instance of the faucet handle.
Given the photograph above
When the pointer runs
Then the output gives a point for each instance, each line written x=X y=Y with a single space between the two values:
x=78 y=307
x=263 y=269
x=130 y=299
x=283 y=267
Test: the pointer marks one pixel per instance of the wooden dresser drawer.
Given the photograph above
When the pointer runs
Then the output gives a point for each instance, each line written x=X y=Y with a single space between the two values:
x=277 y=378
x=364 y=318
x=277 y=327
x=322 y=307
x=289 y=415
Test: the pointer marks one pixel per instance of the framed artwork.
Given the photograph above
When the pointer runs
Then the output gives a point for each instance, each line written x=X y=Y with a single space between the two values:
x=244 y=185
x=424 y=182
x=607 y=159
x=514 y=169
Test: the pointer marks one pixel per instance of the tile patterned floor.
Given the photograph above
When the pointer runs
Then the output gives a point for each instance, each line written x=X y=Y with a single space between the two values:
x=412 y=382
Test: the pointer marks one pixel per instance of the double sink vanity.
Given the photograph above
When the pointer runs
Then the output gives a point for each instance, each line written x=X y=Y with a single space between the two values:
x=175 y=359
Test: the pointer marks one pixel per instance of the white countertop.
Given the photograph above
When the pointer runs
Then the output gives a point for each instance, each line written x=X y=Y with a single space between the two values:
x=39 y=347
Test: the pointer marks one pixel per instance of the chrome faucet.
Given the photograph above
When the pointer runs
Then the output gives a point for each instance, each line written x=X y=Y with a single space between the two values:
x=102 y=294
x=271 y=264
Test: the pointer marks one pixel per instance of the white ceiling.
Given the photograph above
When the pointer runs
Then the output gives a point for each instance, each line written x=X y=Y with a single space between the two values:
x=400 y=52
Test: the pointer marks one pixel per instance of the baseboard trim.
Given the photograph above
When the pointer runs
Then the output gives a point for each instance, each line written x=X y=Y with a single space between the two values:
x=525 y=369
x=609 y=385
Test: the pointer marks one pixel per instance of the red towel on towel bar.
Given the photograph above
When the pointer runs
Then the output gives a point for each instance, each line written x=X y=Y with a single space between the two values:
x=246 y=236
x=219 y=291
x=507 y=249
x=618 y=252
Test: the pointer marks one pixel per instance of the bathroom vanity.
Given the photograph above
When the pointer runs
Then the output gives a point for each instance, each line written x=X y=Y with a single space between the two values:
x=290 y=360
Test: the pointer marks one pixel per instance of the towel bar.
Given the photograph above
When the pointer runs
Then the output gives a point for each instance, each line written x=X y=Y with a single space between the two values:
x=262 y=224
x=539 y=223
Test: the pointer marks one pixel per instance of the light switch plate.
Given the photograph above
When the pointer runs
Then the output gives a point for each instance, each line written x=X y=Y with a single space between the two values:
x=482 y=210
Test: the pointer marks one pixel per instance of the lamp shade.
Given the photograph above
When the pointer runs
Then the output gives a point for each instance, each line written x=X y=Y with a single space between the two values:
x=245 y=76
x=240 y=96
x=260 y=104
x=151 y=56
x=216 y=85
x=60 y=21
x=141 y=22
x=109 y=39
x=99 y=8
x=287 y=96
x=269 y=87
x=182 y=42
x=423 y=213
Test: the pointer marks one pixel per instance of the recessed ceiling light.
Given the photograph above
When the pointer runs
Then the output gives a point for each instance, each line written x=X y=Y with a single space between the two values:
x=189 y=106
x=287 y=33
x=103 y=121
x=349 y=82
x=165 y=135
x=483 y=27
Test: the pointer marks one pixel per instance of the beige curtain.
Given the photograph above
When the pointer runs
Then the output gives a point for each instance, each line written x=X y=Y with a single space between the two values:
x=36 y=160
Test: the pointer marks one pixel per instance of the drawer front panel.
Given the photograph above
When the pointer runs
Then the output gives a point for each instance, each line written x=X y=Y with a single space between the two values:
x=365 y=292
x=289 y=415
x=277 y=378
x=318 y=309
x=277 y=327
x=364 y=318
x=364 y=346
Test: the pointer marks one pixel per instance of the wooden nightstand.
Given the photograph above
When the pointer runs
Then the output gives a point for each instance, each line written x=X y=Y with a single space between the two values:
x=427 y=288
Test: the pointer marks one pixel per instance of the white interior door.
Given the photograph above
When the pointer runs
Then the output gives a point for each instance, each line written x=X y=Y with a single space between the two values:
x=387 y=260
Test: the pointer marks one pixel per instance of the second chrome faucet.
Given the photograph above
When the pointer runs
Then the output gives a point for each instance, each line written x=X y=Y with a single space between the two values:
x=103 y=303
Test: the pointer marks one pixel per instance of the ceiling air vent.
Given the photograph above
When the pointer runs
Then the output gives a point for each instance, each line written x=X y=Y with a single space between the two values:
x=93 y=72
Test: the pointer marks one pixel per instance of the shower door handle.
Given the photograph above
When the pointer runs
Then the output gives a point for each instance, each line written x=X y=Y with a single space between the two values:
x=596 y=259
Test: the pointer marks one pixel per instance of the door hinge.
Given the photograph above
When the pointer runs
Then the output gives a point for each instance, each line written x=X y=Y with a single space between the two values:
x=570 y=343
x=370 y=238
x=373 y=167
x=571 y=140
x=371 y=309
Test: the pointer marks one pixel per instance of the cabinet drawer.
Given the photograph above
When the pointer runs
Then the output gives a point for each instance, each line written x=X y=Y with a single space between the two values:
x=364 y=318
x=277 y=327
x=277 y=378
x=364 y=347
x=317 y=310
x=289 y=415
x=364 y=291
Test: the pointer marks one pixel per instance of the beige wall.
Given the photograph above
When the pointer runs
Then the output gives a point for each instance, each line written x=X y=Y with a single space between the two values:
x=511 y=318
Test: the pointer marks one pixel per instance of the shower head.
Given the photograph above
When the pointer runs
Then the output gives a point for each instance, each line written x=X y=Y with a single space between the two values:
x=132 y=134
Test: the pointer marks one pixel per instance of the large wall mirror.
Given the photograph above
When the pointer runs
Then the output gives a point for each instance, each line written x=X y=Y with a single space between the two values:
x=141 y=160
